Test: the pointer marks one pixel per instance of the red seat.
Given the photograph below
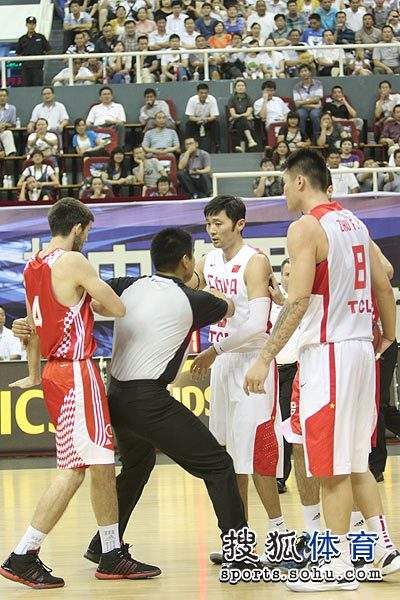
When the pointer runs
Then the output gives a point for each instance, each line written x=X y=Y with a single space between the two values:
x=172 y=108
x=108 y=133
x=289 y=101
x=94 y=164
x=351 y=128
x=272 y=132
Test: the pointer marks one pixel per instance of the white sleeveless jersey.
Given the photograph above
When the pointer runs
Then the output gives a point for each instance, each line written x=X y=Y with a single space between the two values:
x=228 y=278
x=341 y=306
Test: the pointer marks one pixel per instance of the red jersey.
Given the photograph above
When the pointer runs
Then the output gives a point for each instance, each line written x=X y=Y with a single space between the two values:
x=64 y=331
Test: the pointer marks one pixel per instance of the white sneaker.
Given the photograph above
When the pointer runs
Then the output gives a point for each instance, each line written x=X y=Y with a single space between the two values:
x=329 y=579
x=389 y=562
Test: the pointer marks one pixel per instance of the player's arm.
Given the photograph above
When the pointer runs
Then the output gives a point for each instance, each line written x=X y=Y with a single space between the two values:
x=387 y=266
x=385 y=298
x=302 y=249
x=85 y=275
x=33 y=353
x=198 y=282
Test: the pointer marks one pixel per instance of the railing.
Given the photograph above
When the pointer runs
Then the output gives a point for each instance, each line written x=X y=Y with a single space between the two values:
x=345 y=170
x=207 y=52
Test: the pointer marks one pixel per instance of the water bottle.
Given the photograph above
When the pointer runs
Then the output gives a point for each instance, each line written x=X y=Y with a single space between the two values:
x=202 y=130
x=8 y=182
x=64 y=180
x=11 y=181
x=18 y=123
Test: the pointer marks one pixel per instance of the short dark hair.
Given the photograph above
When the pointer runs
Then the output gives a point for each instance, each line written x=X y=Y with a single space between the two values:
x=77 y=121
x=188 y=19
x=388 y=27
x=340 y=12
x=286 y=261
x=143 y=37
x=268 y=84
x=233 y=206
x=304 y=66
x=176 y=3
x=169 y=246
x=150 y=91
x=315 y=16
x=202 y=86
x=78 y=33
x=6 y=91
x=395 y=153
x=105 y=88
x=129 y=21
x=385 y=81
x=330 y=31
x=279 y=15
x=163 y=179
x=66 y=213
x=310 y=164
x=337 y=87
x=160 y=18
x=174 y=36
x=47 y=87
x=333 y=151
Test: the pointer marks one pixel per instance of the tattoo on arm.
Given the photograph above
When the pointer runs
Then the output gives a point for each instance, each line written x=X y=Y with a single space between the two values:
x=287 y=322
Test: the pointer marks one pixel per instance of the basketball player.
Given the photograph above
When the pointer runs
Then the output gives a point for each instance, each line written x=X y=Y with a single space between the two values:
x=60 y=284
x=249 y=430
x=334 y=269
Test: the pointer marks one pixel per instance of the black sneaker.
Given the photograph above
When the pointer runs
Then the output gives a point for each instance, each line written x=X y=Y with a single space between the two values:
x=29 y=570
x=216 y=558
x=119 y=564
x=93 y=552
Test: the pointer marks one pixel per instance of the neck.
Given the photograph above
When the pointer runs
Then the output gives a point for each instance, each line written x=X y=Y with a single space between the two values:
x=58 y=242
x=312 y=200
x=170 y=274
x=231 y=251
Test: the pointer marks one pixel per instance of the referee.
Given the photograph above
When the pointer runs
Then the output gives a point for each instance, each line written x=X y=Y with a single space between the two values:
x=150 y=344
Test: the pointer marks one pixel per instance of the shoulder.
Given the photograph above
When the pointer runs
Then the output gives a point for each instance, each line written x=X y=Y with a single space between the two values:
x=303 y=230
x=258 y=263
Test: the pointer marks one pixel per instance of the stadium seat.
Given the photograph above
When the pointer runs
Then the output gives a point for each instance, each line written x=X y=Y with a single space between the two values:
x=94 y=165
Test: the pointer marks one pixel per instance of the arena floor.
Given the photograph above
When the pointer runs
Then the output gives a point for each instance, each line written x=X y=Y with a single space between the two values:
x=173 y=527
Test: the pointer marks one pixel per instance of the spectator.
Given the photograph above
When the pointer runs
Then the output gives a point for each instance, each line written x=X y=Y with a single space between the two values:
x=151 y=107
x=331 y=133
x=131 y=7
x=312 y=35
x=295 y=20
x=340 y=108
x=270 y=108
x=81 y=45
x=327 y=59
x=291 y=134
x=147 y=170
x=108 y=114
x=43 y=140
x=149 y=65
x=240 y=107
x=8 y=116
x=393 y=185
x=259 y=65
x=328 y=13
x=255 y=34
x=174 y=66
x=97 y=190
x=32 y=191
x=128 y=37
x=188 y=39
x=293 y=59
x=107 y=40
x=75 y=20
x=176 y=20
x=234 y=23
x=263 y=18
x=280 y=34
x=308 y=7
x=387 y=59
x=202 y=112
x=116 y=174
x=161 y=140
x=365 y=180
x=43 y=173
x=386 y=102
x=344 y=35
x=280 y=155
x=81 y=75
x=391 y=131
x=354 y=15
x=393 y=21
x=347 y=156
x=194 y=170
x=119 y=67
x=163 y=188
x=10 y=346
x=95 y=66
x=220 y=38
x=342 y=183
x=205 y=23
x=307 y=95
x=380 y=12
x=267 y=185
x=276 y=6
x=32 y=44
x=86 y=142
x=164 y=11
x=196 y=62
x=159 y=39
x=144 y=26
x=118 y=24
x=368 y=34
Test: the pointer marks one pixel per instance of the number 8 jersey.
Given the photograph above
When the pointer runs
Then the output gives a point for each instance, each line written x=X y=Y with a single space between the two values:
x=341 y=305
x=65 y=332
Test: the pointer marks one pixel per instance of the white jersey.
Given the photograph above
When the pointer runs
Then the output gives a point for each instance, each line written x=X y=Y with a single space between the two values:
x=228 y=278
x=341 y=305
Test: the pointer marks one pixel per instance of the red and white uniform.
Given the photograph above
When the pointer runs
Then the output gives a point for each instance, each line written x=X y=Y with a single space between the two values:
x=73 y=390
x=337 y=362
x=249 y=427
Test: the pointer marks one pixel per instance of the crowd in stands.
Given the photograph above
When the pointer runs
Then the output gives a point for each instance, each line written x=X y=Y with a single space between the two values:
x=162 y=150
x=186 y=26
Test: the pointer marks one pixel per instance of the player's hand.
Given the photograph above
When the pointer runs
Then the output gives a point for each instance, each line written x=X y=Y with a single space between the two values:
x=255 y=377
x=202 y=363
x=25 y=383
x=275 y=291
x=22 y=330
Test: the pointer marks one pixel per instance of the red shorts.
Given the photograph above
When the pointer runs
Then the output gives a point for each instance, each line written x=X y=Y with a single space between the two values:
x=77 y=403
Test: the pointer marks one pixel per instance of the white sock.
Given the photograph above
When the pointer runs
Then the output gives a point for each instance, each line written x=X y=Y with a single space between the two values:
x=277 y=524
x=356 y=521
x=32 y=540
x=379 y=525
x=312 y=518
x=342 y=562
x=109 y=536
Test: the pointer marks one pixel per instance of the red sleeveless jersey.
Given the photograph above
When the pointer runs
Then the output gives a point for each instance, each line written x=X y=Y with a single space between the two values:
x=64 y=332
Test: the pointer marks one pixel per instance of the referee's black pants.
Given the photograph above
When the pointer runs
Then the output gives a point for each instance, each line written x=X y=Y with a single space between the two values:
x=286 y=376
x=145 y=416
x=32 y=76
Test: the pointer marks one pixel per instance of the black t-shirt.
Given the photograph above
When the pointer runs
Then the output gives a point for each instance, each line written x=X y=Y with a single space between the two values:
x=33 y=45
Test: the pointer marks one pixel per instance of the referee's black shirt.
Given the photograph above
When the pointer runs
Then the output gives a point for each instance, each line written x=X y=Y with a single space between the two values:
x=31 y=45
x=151 y=341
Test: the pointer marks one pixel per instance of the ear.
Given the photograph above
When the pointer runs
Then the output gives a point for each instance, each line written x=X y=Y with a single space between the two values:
x=240 y=224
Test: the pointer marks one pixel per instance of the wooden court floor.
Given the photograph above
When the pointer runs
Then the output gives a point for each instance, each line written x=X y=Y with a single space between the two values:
x=173 y=527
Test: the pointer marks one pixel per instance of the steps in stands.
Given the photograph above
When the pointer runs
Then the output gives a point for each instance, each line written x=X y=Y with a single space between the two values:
x=52 y=67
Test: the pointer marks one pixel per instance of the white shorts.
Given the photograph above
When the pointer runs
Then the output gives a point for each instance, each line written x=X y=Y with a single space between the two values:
x=249 y=426
x=337 y=406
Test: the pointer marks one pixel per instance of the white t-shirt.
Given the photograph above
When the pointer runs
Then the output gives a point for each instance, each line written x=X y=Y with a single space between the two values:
x=176 y=25
x=49 y=143
x=42 y=171
x=354 y=20
x=195 y=108
x=9 y=344
x=175 y=57
x=343 y=183
x=277 y=109
x=189 y=41
x=266 y=23
x=100 y=112
x=63 y=76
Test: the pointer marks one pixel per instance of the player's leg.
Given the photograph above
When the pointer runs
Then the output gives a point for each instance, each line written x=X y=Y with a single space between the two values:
x=243 y=485
x=309 y=491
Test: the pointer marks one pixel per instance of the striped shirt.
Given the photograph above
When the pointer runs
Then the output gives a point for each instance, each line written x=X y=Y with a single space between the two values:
x=160 y=138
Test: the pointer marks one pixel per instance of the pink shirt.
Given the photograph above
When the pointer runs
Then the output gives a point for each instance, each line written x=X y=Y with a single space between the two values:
x=145 y=27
